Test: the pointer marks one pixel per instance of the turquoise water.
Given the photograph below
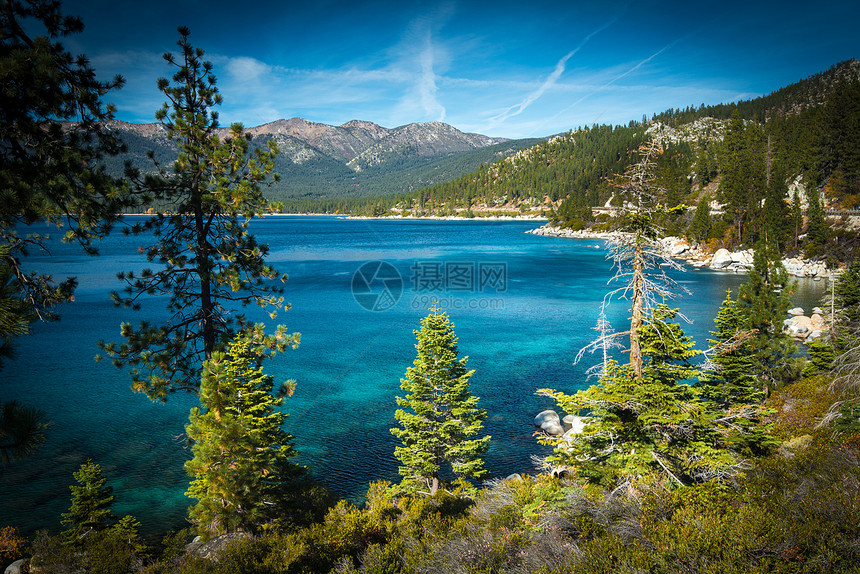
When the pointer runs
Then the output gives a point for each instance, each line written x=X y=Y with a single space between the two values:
x=521 y=324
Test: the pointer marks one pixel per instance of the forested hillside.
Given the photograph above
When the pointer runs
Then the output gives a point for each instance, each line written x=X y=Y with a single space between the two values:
x=803 y=138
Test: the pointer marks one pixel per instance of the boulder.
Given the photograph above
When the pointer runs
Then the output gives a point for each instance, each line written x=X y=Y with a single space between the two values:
x=797 y=311
x=573 y=424
x=16 y=567
x=799 y=326
x=743 y=257
x=817 y=320
x=721 y=259
x=549 y=422
x=817 y=311
x=679 y=247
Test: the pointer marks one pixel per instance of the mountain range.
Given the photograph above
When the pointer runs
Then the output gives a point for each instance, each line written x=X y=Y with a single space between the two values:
x=356 y=159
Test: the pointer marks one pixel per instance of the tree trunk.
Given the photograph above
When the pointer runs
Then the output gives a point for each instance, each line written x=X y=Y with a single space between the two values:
x=636 y=311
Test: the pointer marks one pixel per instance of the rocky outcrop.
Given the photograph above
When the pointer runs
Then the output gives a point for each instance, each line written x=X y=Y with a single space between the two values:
x=693 y=254
x=805 y=328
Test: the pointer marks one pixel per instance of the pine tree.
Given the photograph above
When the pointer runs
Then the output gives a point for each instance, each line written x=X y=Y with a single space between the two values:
x=209 y=263
x=732 y=379
x=652 y=427
x=730 y=385
x=701 y=224
x=764 y=301
x=91 y=504
x=241 y=467
x=796 y=217
x=52 y=141
x=776 y=215
x=439 y=413
x=818 y=231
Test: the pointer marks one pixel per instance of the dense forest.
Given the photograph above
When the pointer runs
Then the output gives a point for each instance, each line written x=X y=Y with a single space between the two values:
x=744 y=457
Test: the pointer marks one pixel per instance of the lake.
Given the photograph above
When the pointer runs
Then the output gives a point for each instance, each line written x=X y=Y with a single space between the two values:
x=522 y=305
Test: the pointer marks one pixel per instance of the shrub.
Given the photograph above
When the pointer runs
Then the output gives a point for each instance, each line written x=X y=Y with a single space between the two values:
x=11 y=545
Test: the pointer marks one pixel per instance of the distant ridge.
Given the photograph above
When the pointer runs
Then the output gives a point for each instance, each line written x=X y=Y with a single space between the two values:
x=356 y=159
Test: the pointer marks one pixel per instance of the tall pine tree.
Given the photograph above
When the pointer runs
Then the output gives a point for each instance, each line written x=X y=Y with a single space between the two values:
x=208 y=261
x=439 y=414
x=241 y=469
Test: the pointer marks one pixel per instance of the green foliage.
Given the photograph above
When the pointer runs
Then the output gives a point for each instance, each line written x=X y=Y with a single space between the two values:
x=442 y=412
x=764 y=301
x=817 y=231
x=50 y=167
x=732 y=381
x=744 y=178
x=701 y=224
x=820 y=358
x=241 y=467
x=653 y=428
x=91 y=505
x=22 y=430
x=208 y=261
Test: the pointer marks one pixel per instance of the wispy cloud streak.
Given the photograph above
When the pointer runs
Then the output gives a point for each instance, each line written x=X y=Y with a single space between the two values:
x=615 y=79
x=427 y=83
x=551 y=80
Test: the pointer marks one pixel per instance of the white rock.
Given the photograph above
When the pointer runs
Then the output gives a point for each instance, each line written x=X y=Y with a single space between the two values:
x=16 y=567
x=797 y=311
x=743 y=257
x=549 y=422
x=817 y=311
x=722 y=259
x=573 y=424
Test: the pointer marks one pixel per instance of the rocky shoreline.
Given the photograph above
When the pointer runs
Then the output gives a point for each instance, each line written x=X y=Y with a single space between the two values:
x=801 y=327
x=694 y=255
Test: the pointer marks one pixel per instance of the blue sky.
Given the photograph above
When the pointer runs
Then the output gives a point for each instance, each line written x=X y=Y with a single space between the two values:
x=527 y=68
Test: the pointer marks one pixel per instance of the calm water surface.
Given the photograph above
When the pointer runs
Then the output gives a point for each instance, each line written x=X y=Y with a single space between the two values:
x=522 y=305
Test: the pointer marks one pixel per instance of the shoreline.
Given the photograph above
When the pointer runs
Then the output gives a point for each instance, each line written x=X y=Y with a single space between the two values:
x=723 y=260
x=536 y=218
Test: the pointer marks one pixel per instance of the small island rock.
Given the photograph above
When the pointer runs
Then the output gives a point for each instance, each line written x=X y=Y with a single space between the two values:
x=549 y=422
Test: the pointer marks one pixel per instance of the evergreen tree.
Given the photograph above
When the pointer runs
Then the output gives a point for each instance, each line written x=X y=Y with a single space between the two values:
x=22 y=430
x=52 y=141
x=796 y=217
x=847 y=293
x=652 y=427
x=91 y=504
x=776 y=216
x=701 y=224
x=744 y=176
x=439 y=413
x=732 y=379
x=764 y=301
x=730 y=386
x=208 y=260
x=818 y=231
x=241 y=467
